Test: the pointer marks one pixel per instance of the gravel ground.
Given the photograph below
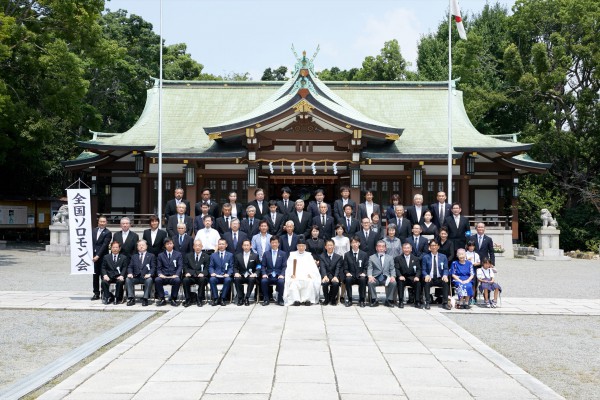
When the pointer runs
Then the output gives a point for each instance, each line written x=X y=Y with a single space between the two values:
x=32 y=339
x=561 y=351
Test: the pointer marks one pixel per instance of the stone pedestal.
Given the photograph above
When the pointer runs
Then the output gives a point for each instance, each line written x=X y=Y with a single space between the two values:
x=548 y=246
x=59 y=241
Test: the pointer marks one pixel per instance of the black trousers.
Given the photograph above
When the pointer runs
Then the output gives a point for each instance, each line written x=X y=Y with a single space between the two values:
x=160 y=282
x=361 y=281
x=239 y=286
x=118 y=290
x=330 y=291
x=265 y=283
x=188 y=281
x=437 y=282
x=96 y=277
x=409 y=282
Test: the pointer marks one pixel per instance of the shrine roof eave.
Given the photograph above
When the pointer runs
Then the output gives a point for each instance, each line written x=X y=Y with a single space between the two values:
x=94 y=145
x=524 y=162
x=213 y=155
x=514 y=147
x=87 y=160
x=258 y=118
x=407 y=157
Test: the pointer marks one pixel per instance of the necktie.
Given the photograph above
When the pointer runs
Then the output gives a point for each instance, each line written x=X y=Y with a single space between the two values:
x=381 y=259
x=367 y=235
x=169 y=256
x=435 y=267
x=227 y=220
x=273 y=218
x=348 y=221
x=141 y=257
x=285 y=204
x=181 y=219
x=99 y=233
x=356 y=257
x=221 y=256
x=274 y=256
x=323 y=218
x=441 y=212
x=251 y=221
x=180 y=240
x=115 y=259
x=480 y=239
x=234 y=240
x=197 y=258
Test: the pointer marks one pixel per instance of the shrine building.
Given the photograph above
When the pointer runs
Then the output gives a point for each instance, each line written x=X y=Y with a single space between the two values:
x=304 y=133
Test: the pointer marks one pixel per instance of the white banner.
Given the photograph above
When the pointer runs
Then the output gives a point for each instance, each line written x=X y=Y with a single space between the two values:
x=80 y=231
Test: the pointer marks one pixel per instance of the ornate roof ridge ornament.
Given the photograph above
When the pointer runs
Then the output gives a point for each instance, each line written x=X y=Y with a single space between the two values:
x=303 y=62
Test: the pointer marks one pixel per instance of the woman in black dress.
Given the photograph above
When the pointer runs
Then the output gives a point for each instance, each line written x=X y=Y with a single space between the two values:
x=315 y=245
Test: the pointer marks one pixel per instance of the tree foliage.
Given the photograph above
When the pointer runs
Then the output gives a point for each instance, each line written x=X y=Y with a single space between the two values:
x=277 y=74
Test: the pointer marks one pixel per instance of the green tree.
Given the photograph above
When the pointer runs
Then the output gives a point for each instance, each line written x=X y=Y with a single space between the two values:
x=277 y=74
x=389 y=65
x=336 y=74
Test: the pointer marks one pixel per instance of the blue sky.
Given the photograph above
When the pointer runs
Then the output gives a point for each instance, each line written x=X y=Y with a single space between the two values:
x=248 y=36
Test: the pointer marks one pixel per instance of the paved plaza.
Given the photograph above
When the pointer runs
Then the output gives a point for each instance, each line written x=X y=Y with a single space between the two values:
x=317 y=352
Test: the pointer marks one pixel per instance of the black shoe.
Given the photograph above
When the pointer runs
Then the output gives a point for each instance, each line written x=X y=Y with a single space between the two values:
x=95 y=297
x=200 y=302
x=104 y=301
x=222 y=302
x=410 y=301
x=161 y=302
x=362 y=304
x=333 y=303
x=247 y=302
x=187 y=303
x=417 y=305
x=131 y=302
x=144 y=302
x=296 y=304
x=374 y=303
x=348 y=303
x=266 y=302
x=388 y=303
x=427 y=307
x=446 y=306
x=117 y=302
x=325 y=302
x=174 y=303
x=280 y=303
x=214 y=302
x=401 y=304
x=240 y=302
x=307 y=303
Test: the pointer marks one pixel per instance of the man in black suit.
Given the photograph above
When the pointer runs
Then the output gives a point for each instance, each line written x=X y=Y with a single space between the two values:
x=355 y=267
x=195 y=272
x=273 y=263
x=235 y=237
x=154 y=237
x=213 y=207
x=440 y=210
x=223 y=223
x=275 y=219
x=260 y=204
x=458 y=226
x=415 y=212
x=168 y=269
x=182 y=242
x=113 y=270
x=314 y=207
x=101 y=237
x=324 y=221
x=369 y=207
x=419 y=244
x=288 y=241
x=180 y=218
x=171 y=208
x=339 y=204
x=245 y=272
x=127 y=239
x=302 y=219
x=221 y=271
x=250 y=224
x=285 y=206
x=403 y=225
x=330 y=267
x=349 y=221
x=368 y=238
x=141 y=268
x=199 y=219
x=408 y=271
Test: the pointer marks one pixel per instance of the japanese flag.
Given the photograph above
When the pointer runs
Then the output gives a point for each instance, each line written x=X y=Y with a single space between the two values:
x=455 y=10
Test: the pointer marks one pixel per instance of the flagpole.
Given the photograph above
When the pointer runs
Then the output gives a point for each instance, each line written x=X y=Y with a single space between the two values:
x=160 y=83
x=449 y=102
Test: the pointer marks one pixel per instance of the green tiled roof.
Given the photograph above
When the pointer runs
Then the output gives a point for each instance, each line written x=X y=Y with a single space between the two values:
x=418 y=108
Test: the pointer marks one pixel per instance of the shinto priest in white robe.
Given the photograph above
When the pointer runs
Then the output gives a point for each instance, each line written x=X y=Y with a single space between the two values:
x=306 y=285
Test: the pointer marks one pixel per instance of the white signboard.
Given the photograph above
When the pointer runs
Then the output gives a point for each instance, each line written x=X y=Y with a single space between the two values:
x=80 y=231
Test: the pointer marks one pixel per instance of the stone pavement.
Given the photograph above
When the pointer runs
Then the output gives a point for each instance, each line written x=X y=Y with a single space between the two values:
x=317 y=352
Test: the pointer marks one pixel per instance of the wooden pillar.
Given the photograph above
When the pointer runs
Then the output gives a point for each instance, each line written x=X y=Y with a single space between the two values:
x=463 y=191
x=144 y=192
x=407 y=190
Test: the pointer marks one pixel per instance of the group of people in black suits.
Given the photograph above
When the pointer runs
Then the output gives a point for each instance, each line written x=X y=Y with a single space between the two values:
x=253 y=244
